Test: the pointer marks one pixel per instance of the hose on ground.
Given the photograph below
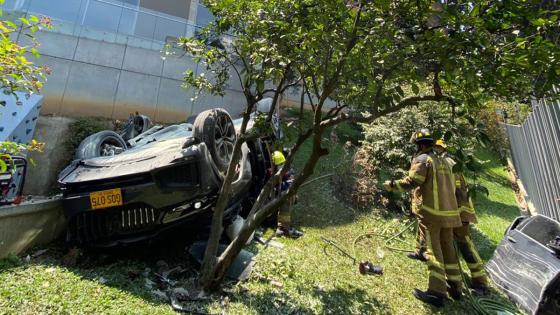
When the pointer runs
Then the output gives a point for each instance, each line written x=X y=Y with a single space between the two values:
x=482 y=305
x=387 y=238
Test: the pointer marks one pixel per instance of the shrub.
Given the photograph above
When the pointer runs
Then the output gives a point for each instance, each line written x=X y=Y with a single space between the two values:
x=386 y=150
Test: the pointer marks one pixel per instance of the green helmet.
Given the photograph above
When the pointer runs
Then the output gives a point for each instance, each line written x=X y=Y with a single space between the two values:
x=423 y=135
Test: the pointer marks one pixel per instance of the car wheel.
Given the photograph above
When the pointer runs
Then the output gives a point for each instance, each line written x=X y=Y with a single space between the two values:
x=215 y=128
x=103 y=143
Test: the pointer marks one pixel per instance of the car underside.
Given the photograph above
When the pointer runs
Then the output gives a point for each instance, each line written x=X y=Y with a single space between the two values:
x=158 y=180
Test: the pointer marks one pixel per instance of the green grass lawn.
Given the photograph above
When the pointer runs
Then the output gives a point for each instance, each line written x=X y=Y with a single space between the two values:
x=302 y=278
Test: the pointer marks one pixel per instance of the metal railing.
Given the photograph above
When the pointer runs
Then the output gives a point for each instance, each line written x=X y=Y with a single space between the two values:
x=535 y=150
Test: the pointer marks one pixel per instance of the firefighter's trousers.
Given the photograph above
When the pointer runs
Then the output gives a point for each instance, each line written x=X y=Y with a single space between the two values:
x=285 y=214
x=420 y=239
x=442 y=260
x=470 y=255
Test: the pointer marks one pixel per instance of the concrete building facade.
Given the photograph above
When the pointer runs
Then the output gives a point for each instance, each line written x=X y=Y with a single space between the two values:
x=106 y=58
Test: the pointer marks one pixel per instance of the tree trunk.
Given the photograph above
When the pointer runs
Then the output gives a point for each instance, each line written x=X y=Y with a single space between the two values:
x=258 y=214
x=209 y=261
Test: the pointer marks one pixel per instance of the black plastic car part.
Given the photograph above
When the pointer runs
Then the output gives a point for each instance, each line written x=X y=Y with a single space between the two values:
x=526 y=268
x=136 y=125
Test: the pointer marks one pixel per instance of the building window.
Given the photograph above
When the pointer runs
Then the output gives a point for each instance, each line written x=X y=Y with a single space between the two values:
x=203 y=16
x=66 y=10
x=14 y=4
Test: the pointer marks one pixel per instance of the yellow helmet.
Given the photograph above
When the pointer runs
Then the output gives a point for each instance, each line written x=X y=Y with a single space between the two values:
x=278 y=158
x=441 y=143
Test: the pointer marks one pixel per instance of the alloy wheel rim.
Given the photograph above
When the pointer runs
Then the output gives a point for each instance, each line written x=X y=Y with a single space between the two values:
x=224 y=138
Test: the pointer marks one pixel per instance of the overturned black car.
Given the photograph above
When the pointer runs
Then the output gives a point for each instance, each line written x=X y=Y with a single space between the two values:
x=120 y=191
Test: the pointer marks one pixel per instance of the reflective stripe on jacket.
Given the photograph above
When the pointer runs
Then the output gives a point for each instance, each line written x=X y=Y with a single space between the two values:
x=464 y=202
x=433 y=190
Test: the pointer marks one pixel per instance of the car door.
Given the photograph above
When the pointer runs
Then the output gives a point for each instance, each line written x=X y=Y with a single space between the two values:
x=525 y=268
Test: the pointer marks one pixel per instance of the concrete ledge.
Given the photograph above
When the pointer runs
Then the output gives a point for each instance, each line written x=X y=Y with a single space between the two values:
x=29 y=224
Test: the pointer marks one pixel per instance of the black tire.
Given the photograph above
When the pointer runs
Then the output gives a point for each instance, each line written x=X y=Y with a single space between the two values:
x=92 y=146
x=215 y=128
x=141 y=124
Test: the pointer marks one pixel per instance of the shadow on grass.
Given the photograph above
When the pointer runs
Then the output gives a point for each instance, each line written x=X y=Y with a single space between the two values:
x=341 y=301
x=487 y=207
x=335 y=301
x=484 y=245
x=134 y=268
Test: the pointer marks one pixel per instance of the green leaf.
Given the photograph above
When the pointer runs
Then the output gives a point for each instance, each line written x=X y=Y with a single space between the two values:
x=11 y=24
x=399 y=90
x=458 y=167
x=539 y=22
x=415 y=88
x=24 y=20
x=260 y=86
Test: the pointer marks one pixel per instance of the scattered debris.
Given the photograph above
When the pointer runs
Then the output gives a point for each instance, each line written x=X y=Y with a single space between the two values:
x=149 y=284
x=181 y=294
x=239 y=270
x=160 y=294
x=27 y=258
x=162 y=265
x=102 y=280
x=146 y=272
x=133 y=274
x=71 y=258
x=39 y=253
x=269 y=242
x=380 y=253
x=164 y=281
x=367 y=267
x=167 y=273
x=277 y=284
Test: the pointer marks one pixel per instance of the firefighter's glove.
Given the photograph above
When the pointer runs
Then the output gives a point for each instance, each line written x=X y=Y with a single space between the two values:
x=390 y=185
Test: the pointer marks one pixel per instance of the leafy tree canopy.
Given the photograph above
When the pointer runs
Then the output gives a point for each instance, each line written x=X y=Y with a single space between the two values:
x=380 y=56
x=371 y=58
x=17 y=73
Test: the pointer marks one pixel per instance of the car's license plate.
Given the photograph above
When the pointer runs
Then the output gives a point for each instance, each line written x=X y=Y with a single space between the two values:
x=106 y=198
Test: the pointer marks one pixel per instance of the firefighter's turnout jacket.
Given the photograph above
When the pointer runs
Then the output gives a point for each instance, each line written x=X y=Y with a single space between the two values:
x=433 y=190
x=433 y=201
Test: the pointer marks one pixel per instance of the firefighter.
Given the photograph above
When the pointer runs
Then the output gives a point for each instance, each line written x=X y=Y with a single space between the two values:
x=435 y=205
x=462 y=234
x=420 y=251
x=285 y=212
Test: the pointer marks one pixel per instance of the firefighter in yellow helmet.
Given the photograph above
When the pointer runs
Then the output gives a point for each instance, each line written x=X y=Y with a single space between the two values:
x=434 y=203
x=285 y=212
x=462 y=234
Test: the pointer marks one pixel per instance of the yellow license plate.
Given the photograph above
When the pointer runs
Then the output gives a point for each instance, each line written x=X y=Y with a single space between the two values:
x=106 y=198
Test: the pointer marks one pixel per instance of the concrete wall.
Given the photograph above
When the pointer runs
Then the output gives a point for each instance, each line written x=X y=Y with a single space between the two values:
x=98 y=78
x=41 y=178
x=30 y=224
